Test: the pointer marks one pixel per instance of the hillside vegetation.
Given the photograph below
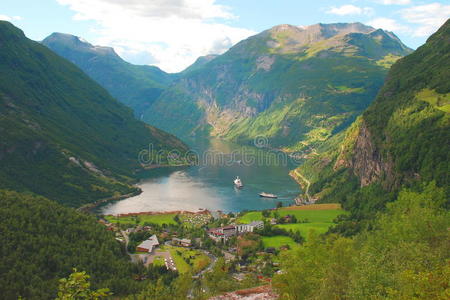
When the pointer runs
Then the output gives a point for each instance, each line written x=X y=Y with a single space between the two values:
x=62 y=135
x=401 y=140
x=405 y=255
x=43 y=241
x=295 y=86
x=134 y=85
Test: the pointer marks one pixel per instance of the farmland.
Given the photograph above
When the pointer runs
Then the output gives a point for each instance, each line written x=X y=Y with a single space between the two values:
x=158 y=219
x=318 y=217
x=278 y=241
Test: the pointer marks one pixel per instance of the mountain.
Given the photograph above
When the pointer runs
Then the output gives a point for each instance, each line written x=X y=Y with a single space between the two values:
x=400 y=140
x=62 y=135
x=200 y=62
x=297 y=86
x=135 y=86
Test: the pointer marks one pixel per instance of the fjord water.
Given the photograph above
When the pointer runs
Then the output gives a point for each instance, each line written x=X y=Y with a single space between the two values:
x=209 y=184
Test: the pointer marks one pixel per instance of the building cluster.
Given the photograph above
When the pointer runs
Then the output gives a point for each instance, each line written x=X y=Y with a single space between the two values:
x=138 y=228
x=224 y=233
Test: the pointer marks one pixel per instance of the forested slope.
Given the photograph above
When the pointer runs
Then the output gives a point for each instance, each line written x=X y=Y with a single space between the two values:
x=400 y=140
x=61 y=134
x=43 y=241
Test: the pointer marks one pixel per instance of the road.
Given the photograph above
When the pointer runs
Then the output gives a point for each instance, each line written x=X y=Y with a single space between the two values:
x=211 y=265
x=308 y=183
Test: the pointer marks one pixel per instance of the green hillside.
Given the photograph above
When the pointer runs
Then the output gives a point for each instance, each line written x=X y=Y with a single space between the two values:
x=295 y=86
x=134 y=85
x=62 y=135
x=43 y=241
x=400 y=140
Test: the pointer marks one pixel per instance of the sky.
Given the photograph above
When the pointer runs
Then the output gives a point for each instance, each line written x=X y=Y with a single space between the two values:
x=172 y=34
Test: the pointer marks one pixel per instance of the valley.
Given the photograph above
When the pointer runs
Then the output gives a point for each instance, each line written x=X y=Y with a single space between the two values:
x=303 y=162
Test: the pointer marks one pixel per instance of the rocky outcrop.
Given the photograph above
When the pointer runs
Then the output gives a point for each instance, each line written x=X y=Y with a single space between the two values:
x=365 y=158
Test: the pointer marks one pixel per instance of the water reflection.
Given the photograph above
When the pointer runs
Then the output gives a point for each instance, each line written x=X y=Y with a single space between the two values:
x=210 y=184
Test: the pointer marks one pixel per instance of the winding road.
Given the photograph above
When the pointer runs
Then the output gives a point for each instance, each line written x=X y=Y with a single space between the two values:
x=308 y=183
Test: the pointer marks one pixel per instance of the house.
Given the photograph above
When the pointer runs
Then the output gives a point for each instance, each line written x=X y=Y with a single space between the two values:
x=229 y=230
x=148 y=245
x=186 y=242
x=222 y=233
x=181 y=242
x=257 y=225
x=216 y=235
x=243 y=228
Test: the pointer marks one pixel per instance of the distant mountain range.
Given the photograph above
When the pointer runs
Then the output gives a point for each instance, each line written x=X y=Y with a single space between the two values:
x=297 y=86
x=62 y=135
x=135 y=86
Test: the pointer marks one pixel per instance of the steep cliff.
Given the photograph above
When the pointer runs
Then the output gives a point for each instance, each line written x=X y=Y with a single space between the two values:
x=401 y=139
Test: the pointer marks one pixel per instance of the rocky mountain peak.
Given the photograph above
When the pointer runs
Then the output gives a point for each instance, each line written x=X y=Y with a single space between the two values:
x=74 y=42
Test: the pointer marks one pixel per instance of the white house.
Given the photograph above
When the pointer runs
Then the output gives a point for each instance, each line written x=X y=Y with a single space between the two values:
x=242 y=228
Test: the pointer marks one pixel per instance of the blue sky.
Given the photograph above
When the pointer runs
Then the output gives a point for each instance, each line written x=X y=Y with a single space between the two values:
x=173 y=33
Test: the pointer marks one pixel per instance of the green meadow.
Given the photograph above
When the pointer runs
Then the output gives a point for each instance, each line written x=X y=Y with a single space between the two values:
x=278 y=241
x=187 y=260
x=142 y=219
x=318 y=217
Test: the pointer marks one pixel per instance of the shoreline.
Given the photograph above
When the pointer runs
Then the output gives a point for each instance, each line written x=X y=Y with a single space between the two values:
x=90 y=206
x=154 y=213
x=151 y=167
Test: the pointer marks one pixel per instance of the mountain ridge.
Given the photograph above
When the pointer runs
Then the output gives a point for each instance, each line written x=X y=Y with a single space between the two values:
x=63 y=136
x=397 y=141
x=246 y=91
x=134 y=85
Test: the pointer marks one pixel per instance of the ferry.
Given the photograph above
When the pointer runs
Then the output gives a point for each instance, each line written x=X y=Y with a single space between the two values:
x=267 y=195
x=238 y=182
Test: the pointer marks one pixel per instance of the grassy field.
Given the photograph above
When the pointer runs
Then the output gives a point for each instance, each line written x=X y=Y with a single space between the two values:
x=304 y=228
x=142 y=219
x=250 y=217
x=319 y=216
x=159 y=261
x=278 y=241
x=439 y=101
x=198 y=260
x=180 y=263
x=322 y=213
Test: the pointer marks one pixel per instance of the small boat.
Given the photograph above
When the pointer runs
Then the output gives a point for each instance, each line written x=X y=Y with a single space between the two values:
x=267 y=195
x=238 y=182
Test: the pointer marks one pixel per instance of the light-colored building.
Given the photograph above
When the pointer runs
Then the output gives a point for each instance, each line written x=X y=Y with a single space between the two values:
x=181 y=242
x=223 y=233
x=148 y=245
x=242 y=228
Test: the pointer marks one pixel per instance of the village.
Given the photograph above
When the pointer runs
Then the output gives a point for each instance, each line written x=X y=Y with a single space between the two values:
x=188 y=242
x=192 y=243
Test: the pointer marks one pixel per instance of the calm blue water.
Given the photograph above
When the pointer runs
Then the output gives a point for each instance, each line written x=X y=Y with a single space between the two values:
x=209 y=185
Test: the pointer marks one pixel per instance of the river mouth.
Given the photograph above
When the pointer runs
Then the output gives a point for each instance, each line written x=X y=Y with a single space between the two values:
x=209 y=184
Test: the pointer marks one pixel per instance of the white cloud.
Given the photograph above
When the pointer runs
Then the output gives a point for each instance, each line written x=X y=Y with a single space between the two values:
x=428 y=17
x=170 y=33
x=396 y=2
x=9 y=19
x=350 y=9
x=388 y=24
